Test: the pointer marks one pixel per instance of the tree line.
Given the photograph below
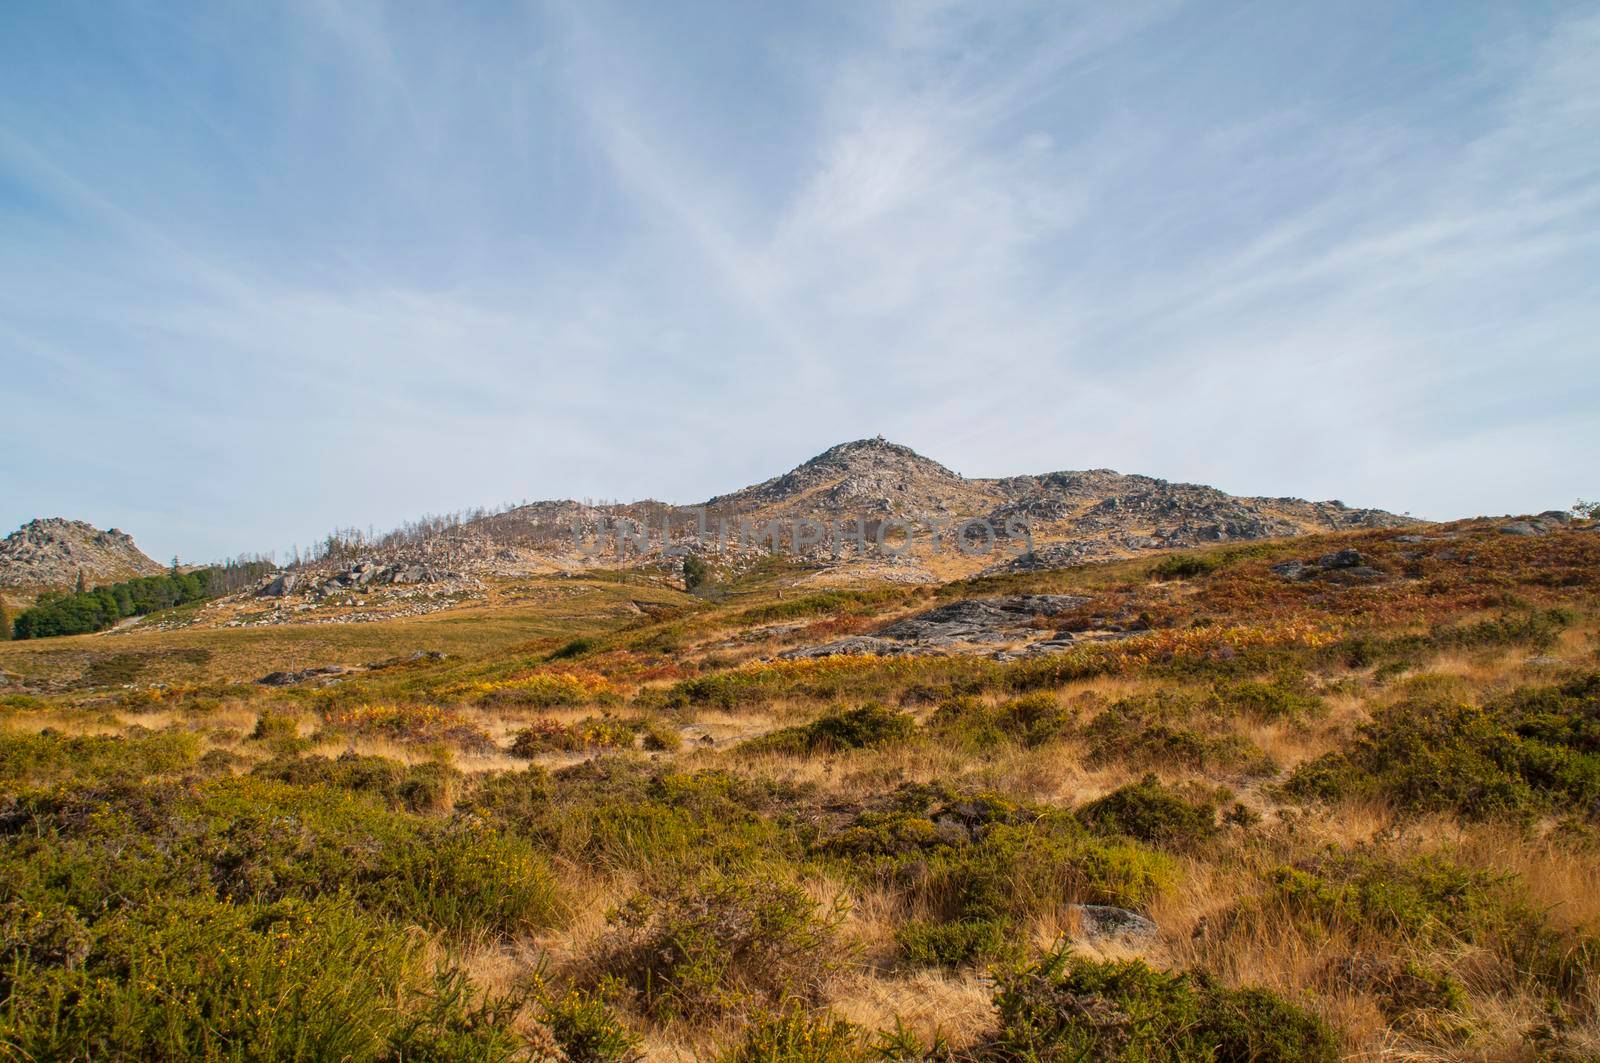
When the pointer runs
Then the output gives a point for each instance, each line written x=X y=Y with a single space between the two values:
x=87 y=610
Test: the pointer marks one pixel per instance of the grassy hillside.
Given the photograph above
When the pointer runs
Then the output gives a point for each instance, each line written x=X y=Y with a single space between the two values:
x=1346 y=808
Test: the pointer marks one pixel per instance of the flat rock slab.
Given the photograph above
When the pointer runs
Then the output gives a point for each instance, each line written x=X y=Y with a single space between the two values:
x=980 y=621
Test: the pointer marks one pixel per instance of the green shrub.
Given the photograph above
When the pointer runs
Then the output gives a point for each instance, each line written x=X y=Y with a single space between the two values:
x=622 y=812
x=721 y=944
x=575 y=648
x=1412 y=996
x=1171 y=727
x=1534 y=750
x=593 y=732
x=1429 y=902
x=587 y=1028
x=417 y=788
x=1065 y=1008
x=1152 y=812
x=202 y=979
x=959 y=942
x=1186 y=566
x=797 y=1035
x=1285 y=696
x=255 y=840
x=981 y=860
x=868 y=726
x=48 y=757
x=280 y=732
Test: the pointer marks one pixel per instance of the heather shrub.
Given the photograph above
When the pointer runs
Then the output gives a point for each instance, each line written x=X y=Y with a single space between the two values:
x=594 y=732
x=255 y=840
x=720 y=944
x=1030 y=720
x=416 y=788
x=204 y=979
x=1429 y=902
x=584 y=1023
x=43 y=758
x=1534 y=750
x=1287 y=695
x=797 y=1035
x=970 y=866
x=1170 y=727
x=1066 y=1009
x=958 y=942
x=622 y=812
x=861 y=728
x=1152 y=812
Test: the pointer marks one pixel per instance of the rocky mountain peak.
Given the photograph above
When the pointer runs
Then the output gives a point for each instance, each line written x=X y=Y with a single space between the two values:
x=49 y=553
x=866 y=475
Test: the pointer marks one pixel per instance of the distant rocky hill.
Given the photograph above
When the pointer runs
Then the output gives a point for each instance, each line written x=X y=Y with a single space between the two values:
x=1073 y=516
x=48 y=554
x=866 y=486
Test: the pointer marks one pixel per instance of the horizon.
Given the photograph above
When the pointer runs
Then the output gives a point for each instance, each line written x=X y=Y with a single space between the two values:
x=274 y=272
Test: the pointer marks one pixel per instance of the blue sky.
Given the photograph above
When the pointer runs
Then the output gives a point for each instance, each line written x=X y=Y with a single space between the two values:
x=270 y=268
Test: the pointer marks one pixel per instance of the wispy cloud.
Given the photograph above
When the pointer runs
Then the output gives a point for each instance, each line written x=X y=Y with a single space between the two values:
x=356 y=262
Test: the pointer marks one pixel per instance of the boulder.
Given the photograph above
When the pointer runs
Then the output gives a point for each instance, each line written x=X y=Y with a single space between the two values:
x=1098 y=922
x=281 y=586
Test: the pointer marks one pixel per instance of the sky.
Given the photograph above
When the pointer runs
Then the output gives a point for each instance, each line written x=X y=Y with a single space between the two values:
x=268 y=269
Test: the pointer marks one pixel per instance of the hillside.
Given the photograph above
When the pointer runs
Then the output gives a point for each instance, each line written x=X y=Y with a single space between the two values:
x=49 y=554
x=1331 y=796
x=871 y=509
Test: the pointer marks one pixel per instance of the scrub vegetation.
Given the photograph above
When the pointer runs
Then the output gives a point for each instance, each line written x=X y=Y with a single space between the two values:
x=1276 y=819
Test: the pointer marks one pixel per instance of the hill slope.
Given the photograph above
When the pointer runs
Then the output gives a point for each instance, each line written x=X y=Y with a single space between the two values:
x=48 y=554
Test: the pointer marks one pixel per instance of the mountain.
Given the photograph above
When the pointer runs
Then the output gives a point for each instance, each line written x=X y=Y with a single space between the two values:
x=1067 y=517
x=49 y=554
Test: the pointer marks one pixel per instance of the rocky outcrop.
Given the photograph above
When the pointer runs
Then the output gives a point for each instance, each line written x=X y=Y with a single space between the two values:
x=359 y=575
x=1545 y=523
x=971 y=622
x=49 y=554
x=1342 y=566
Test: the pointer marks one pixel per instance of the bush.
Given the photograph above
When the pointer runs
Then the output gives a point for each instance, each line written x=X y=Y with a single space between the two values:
x=1031 y=720
x=1065 y=1008
x=979 y=861
x=583 y=1023
x=795 y=1035
x=1171 y=727
x=868 y=726
x=958 y=943
x=1535 y=750
x=41 y=758
x=619 y=812
x=1186 y=566
x=251 y=839
x=199 y=978
x=593 y=732
x=1286 y=696
x=1153 y=813
x=1429 y=902
x=416 y=788
x=724 y=943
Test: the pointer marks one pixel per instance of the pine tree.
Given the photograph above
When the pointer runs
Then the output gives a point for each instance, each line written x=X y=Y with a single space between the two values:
x=5 y=620
x=83 y=584
x=695 y=572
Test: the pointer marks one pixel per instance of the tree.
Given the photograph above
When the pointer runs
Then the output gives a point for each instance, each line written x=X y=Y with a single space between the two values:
x=83 y=584
x=5 y=620
x=695 y=572
x=1586 y=509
